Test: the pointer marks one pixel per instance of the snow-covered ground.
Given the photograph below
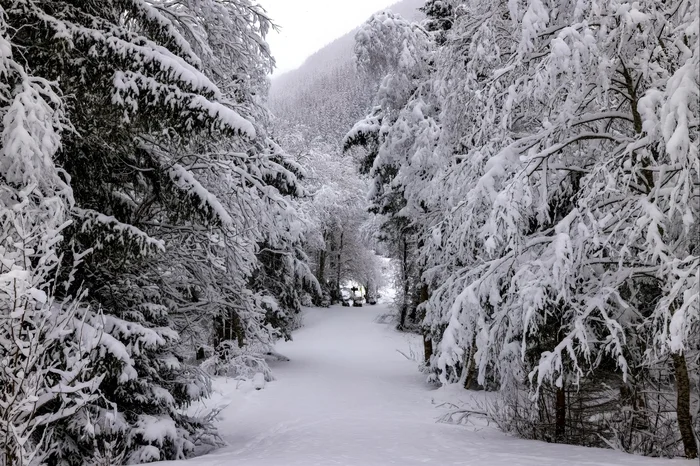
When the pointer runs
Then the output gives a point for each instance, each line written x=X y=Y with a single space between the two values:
x=349 y=398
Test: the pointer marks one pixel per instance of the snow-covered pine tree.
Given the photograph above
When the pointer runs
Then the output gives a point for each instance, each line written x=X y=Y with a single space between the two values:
x=170 y=167
x=284 y=272
x=238 y=60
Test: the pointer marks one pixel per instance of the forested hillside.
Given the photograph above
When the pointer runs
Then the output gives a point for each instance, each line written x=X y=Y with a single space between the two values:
x=325 y=93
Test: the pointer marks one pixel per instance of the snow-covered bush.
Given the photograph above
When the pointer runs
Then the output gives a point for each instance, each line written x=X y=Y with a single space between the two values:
x=44 y=372
x=239 y=363
x=306 y=300
x=45 y=344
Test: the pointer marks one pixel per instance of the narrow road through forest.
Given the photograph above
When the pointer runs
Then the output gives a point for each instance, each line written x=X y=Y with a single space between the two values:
x=348 y=397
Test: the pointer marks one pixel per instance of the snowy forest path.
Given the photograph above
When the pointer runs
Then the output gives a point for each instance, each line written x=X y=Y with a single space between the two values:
x=348 y=397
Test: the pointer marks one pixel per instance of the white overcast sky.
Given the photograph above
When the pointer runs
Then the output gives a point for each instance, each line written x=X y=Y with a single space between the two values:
x=308 y=25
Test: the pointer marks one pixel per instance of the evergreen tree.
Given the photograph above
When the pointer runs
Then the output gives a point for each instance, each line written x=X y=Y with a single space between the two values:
x=158 y=137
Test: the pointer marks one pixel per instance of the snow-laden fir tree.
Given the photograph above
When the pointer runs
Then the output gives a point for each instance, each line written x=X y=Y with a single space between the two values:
x=159 y=154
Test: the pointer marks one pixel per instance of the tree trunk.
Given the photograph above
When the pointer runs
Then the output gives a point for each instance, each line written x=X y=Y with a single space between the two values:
x=427 y=347
x=321 y=266
x=424 y=295
x=404 y=304
x=685 y=422
x=471 y=366
x=427 y=339
x=338 y=266
x=402 y=316
x=560 y=413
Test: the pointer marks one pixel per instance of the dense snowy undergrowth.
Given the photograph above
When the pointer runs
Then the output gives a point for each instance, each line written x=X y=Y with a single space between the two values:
x=348 y=396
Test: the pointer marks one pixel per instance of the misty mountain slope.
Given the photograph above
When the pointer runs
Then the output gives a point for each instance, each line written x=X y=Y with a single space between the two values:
x=324 y=94
x=339 y=51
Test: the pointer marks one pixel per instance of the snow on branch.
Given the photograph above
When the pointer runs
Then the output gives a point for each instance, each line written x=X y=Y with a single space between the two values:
x=185 y=181
x=112 y=230
x=133 y=90
x=162 y=28
x=131 y=50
